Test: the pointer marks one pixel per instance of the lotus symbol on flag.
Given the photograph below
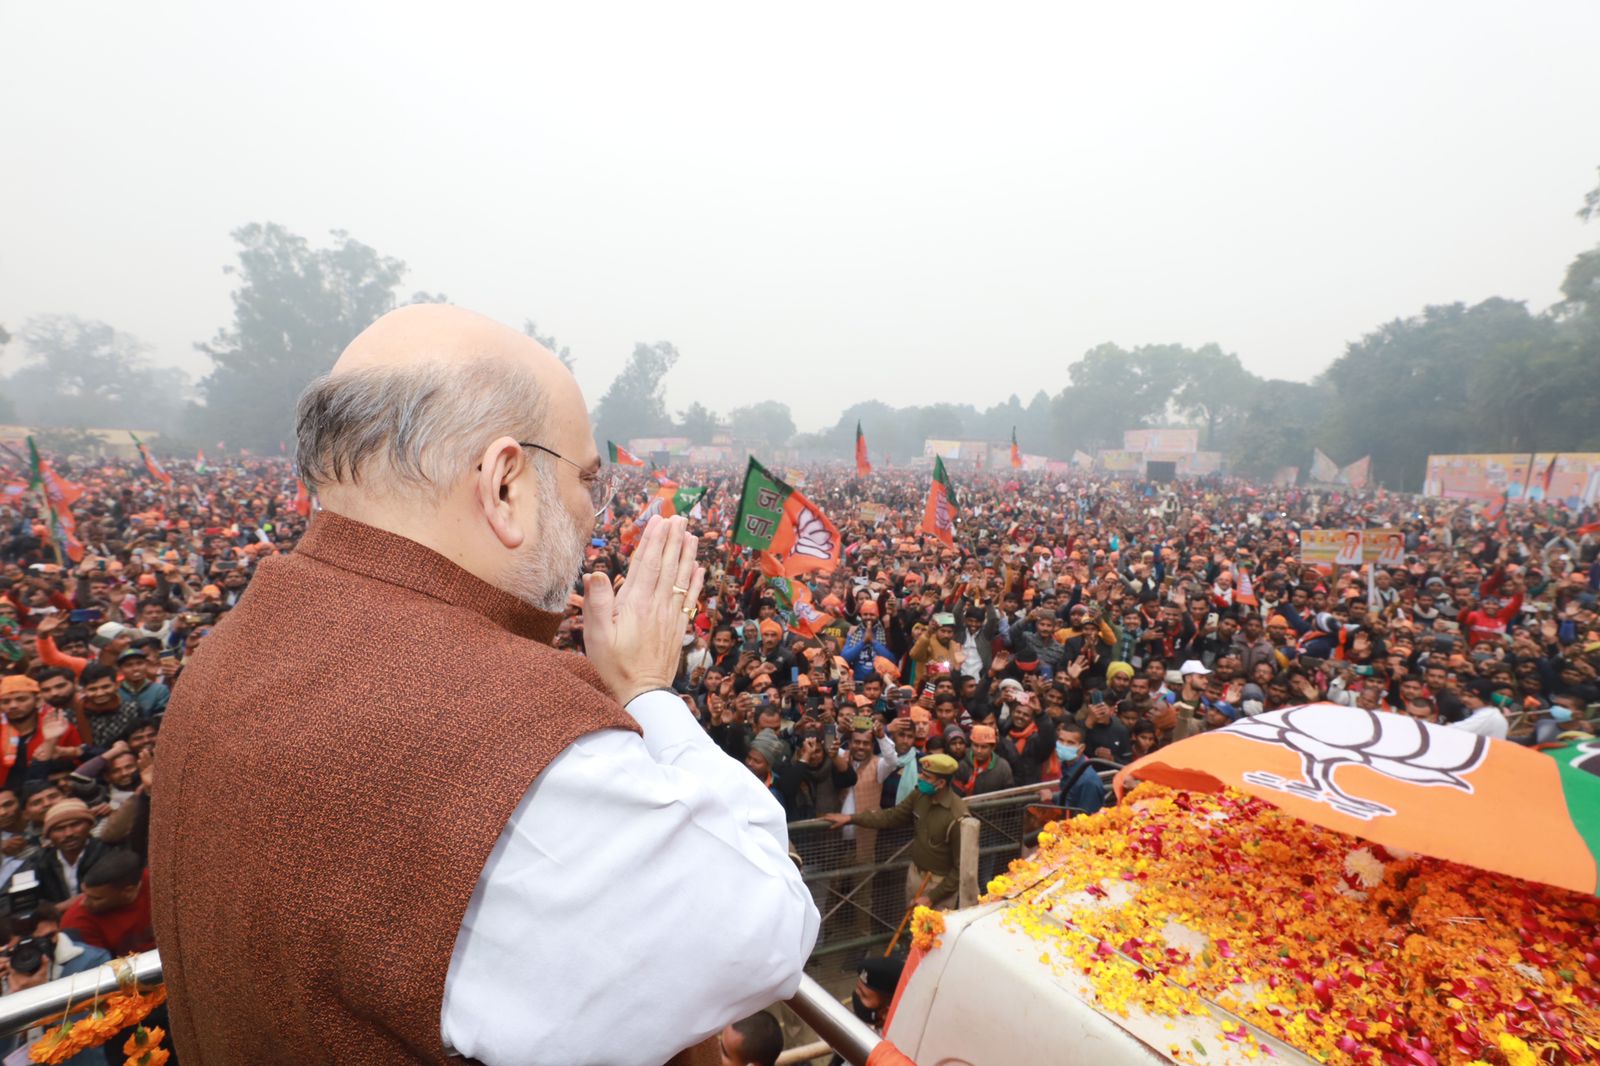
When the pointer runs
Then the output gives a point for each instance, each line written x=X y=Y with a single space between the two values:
x=807 y=613
x=1396 y=746
x=811 y=536
x=1586 y=757
x=941 y=513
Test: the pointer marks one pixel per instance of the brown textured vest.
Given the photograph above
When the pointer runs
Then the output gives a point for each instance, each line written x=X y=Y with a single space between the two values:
x=336 y=765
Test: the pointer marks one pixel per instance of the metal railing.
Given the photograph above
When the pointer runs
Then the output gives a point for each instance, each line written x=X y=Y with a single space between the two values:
x=857 y=876
x=48 y=1003
x=859 y=884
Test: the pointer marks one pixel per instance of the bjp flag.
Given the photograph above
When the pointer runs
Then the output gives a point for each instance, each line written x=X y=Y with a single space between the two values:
x=777 y=518
x=1406 y=784
x=939 y=513
x=622 y=456
x=863 y=464
x=1016 y=453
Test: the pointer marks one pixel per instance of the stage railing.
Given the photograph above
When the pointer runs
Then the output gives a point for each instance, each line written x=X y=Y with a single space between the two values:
x=46 y=1004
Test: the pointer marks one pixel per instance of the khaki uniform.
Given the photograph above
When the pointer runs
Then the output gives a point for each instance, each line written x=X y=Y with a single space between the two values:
x=935 y=844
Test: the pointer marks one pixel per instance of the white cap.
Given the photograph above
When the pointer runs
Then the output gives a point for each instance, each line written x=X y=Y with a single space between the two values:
x=1192 y=666
x=107 y=633
x=1010 y=682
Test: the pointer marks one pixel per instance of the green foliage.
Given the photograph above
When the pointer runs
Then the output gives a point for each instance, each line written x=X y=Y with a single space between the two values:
x=295 y=310
x=635 y=404
x=698 y=423
x=1453 y=379
x=82 y=372
x=768 y=423
x=1277 y=427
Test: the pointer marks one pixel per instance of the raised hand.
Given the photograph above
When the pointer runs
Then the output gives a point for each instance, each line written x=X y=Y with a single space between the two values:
x=634 y=636
x=53 y=726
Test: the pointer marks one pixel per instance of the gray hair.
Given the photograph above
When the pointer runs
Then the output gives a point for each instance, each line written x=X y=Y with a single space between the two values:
x=412 y=429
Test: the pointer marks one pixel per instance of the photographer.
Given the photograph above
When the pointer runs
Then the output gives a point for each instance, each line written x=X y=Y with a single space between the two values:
x=37 y=951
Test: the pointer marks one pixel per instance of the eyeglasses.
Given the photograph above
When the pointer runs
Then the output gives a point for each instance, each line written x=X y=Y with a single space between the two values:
x=602 y=483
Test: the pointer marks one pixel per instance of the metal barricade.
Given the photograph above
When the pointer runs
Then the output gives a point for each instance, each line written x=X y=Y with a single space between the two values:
x=858 y=876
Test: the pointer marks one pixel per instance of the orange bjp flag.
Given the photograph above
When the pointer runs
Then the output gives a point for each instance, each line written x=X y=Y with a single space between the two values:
x=863 y=463
x=1406 y=784
x=939 y=513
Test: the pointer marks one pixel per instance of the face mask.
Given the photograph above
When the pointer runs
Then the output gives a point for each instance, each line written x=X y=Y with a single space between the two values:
x=1561 y=714
x=926 y=787
x=1500 y=699
x=1067 y=752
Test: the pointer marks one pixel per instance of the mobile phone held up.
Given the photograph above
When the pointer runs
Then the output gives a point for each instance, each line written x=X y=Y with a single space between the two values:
x=85 y=614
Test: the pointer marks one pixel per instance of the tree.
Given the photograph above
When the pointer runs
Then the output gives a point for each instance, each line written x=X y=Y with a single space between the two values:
x=295 y=310
x=635 y=403
x=698 y=423
x=560 y=351
x=1278 y=427
x=83 y=372
x=1216 y=388
x=768 y=423
x=1591 y=205
x=1425 y=384
x=1115 y=390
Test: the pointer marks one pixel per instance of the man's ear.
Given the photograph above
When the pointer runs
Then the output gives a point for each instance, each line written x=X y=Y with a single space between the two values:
x=506 y=504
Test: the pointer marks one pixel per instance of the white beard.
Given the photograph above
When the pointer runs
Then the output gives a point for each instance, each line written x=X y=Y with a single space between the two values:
x=542 y=572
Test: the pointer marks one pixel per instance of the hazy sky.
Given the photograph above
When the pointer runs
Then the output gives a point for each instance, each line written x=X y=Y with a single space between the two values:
x=818 y=202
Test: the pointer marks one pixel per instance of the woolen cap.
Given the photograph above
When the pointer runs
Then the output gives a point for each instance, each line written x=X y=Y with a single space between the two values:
x=68 y=810
x=766 y=743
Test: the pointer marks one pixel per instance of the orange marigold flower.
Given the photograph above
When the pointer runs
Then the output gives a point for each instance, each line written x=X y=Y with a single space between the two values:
x=143 y=1039
x=926 y=926
x=154 y=1057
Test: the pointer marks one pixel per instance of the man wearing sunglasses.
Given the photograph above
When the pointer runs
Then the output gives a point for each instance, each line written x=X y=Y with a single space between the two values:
x=557 y=861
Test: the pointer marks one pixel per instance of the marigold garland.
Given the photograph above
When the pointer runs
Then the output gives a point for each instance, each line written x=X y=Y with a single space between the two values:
x=106 y=1018
x=927 y=925
x=1353 y=958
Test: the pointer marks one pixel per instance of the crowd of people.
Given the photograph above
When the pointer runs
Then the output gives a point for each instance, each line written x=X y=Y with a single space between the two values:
x=1074 y=624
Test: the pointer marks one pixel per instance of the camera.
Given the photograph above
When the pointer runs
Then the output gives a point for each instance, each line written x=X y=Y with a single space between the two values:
x=21 y=897
x=29 y=954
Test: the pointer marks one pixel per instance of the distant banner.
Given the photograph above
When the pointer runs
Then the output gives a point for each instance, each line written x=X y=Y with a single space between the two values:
x=967 y=451
x=1358 y=474
x=873 y=513
x=1120 y=462
x=710 y=454
x=1286 y=476
x=1183 y=441
x=1083 y=460
x=1324 y=471
x=648 y=445
x=1199 y=464
x=1574 y=477
x=1352 y=547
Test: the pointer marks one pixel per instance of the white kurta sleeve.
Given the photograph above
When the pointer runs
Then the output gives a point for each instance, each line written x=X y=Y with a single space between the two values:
x=640 y=898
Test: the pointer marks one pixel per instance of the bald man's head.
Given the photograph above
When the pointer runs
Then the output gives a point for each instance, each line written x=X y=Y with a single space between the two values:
x=420 y=391
x=459 y=432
